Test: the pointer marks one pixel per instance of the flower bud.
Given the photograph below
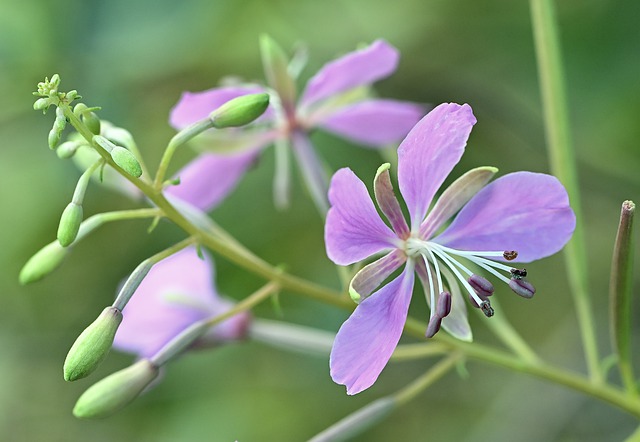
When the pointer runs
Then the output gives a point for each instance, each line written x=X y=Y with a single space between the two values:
x=42 y=104
x=69 y=224
x=45 y=261
x=54 y=138
x=126 y=160
x=92 y=346
x=67 y=149
x=92 y=121
x=240 y=111
x=115 y=391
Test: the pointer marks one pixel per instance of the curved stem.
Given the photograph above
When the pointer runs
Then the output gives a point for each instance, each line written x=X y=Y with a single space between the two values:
x=563 y=165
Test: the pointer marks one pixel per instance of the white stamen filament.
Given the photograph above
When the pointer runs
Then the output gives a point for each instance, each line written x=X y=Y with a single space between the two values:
x=432 y=294
x=433 y=252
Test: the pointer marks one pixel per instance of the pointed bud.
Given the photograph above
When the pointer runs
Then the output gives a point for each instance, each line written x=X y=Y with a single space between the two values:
x=92 y=121
x=126 y=160
x=522 y=287
x=69 y=224
x=92 y=346
x=45 y=261
x=240 y=111
x=115 y=391
x=54 y=138
x=67 y=149
x=42 y=104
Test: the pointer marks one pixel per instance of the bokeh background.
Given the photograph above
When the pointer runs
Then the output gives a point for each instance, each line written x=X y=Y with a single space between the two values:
x=134 y=58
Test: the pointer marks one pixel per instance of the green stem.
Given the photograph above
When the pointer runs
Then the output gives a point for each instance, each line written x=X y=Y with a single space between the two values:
x=420 y=384
x=83 y=182
x=192 y=333
x=178 y=140
x=563 y=165
x=541 y=370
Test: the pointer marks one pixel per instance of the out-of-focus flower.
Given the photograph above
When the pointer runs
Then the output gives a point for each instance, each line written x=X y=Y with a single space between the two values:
x=176 y=293
x=336 y=99
x=522 y=216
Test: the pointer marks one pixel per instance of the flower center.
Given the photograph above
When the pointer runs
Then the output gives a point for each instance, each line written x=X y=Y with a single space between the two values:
x=444 y=261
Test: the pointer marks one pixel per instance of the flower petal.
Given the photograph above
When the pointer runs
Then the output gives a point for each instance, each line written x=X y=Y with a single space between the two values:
x=357 y=68
x=455 y=197
x=367 y=339
x=312 y=172
x=373 y=123
x=524 y=211
x=194 y=106
x=353 y=229
x=427 y=155
x=153 y=316
x=209 y=178
x=372 y=275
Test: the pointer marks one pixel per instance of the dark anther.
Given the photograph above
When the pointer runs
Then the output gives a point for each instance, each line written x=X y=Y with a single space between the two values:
x=510 y=255
x=487 y=309
x=519 y=273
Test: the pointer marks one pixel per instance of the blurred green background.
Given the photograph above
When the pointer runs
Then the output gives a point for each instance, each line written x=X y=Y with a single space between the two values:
x=134 y=58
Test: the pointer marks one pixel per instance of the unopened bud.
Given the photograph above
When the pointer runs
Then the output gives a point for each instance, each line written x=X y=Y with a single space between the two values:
x=522 y=287
x=240 y=111
x=42 y=104
x=115 y=391
x=69 y=224
x=92 y=346
x=45 y=261
x=54 y=138
x=127 y=161
x=89 y=118
x=67 y=149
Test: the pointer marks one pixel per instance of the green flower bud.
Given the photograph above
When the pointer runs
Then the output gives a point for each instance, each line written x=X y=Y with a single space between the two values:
x=92 y=121
x=240 y=111
x=92 y=346
x=69 y=224
x=45 y=261
x=115 y=391
x=126 y=160
x=67 y=149
x=54 y=138
x=42 y=104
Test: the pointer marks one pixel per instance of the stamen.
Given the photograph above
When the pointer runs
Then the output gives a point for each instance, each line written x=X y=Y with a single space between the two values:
x=487 y=309
x=444 y=304
x=481 y=285
x=518 y=273
x=510 y=255
x=433 y=327
x=432 y=292
x=522 y=287
x=450 y=263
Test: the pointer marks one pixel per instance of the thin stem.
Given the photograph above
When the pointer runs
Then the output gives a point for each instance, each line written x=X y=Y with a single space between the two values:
x=178 y=140
x=83 y=182
x=563 y=165
x=423 y=382
x=570 y=379
x=192 y=333
x=136 y=277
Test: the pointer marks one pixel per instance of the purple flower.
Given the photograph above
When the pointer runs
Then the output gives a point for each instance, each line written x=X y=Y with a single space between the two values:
x=178 y=292
x=332 y=100
x=524 y=216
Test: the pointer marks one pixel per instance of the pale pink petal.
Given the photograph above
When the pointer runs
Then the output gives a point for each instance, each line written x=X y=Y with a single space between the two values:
x=524 y=211
x=353 y=229
x=367 y=339
x=357 y=68
x=209 y=178
x=427 y=155
x=374 y=123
